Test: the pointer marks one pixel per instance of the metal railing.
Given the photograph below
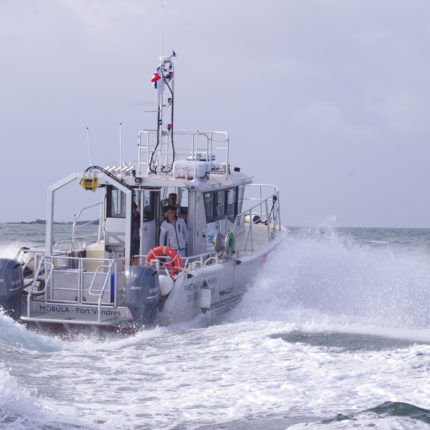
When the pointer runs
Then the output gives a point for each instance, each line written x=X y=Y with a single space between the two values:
x=66 y=280
x=101 y=292
x=76 y=226
x=212 y=147
x=35 y=254
x=262 y=207
x=190 y=263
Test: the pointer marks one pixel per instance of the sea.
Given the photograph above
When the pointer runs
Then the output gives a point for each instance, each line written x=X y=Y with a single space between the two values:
x=334 y=333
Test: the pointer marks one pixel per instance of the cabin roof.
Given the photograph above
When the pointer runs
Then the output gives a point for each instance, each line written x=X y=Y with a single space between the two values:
x=203 y=184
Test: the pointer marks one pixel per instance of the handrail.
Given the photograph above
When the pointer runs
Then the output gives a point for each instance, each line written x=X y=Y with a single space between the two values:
x=36 y=253
x=56 y=246
x=201 y=258
x=96 y=273
x=36 y=276
x=271 y=218
x=25 y=249
x=188 y=262
x=195 y=150
x=99 y=302
x=80 y=285
x=74 y=226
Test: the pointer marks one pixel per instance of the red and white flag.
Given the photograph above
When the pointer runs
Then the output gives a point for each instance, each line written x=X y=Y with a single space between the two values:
x=155 y=78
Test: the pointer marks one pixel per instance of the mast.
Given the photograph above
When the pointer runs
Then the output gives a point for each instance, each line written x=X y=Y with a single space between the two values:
x=163 y=155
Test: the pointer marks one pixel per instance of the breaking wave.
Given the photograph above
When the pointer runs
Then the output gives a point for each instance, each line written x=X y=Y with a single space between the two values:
x=21 y=410
x=15 y=335
x=9 y=250
x=320 y=275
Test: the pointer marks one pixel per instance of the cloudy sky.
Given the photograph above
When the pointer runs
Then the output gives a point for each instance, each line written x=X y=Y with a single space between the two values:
x=329 y=99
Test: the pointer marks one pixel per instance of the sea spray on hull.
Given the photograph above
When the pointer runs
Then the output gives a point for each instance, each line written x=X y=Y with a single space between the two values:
x=326 y=274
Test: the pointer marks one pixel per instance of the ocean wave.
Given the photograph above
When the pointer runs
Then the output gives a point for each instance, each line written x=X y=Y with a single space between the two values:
x=10 y=249
x=21 y=410
x=323 y=275
x=15 y=335
x=388 y=415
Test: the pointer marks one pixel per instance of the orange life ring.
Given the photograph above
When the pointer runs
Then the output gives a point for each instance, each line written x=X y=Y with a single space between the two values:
x=174 y=266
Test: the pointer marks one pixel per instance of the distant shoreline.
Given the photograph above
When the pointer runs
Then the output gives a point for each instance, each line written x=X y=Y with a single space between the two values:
x=43 y=222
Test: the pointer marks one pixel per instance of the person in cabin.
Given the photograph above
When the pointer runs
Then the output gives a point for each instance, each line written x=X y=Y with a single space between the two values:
x=172 y=200
x=135 y=230
x=174 y=232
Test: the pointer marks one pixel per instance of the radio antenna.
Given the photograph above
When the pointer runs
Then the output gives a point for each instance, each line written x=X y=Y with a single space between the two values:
x=89 y=146
x=120 y=149
x=162 y=30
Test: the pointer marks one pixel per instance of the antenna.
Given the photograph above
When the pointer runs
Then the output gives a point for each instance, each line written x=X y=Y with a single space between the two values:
x=120 y=149
x=89 y=146
x=162 y=30
x=162 y=158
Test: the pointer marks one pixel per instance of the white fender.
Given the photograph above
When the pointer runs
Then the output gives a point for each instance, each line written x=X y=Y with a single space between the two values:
x=166 y=284
x=205 y=296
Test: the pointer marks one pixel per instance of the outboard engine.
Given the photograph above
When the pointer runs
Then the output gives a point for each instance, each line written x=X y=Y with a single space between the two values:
x=142 y=294
x=11 y=286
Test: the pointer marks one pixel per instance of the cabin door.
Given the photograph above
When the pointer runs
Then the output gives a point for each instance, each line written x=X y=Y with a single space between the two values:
x=146 y=202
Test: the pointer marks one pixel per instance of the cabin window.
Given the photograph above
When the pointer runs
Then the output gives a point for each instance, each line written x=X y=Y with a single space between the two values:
x=209 y=206
x=240 y=195
x=219 y=204
x=215 y=205
x=115 y=203
x=232 y=204
x=148 y=203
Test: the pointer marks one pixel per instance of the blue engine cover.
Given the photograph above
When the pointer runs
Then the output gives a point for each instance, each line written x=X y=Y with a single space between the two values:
x=11 y=286
x=142 y=294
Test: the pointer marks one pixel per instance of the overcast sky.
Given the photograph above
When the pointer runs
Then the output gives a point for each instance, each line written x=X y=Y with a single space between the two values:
x=329 y=99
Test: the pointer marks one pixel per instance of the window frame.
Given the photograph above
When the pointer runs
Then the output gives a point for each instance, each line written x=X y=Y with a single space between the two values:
x=235 y=206
x=122 y=214
x=219 y=216
x=212 y=216
x=109 y=214
x=209 y=214
x=240 y=198
x=151 y=193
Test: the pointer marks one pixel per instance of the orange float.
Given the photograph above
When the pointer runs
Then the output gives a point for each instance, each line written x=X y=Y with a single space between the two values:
x=174 y=266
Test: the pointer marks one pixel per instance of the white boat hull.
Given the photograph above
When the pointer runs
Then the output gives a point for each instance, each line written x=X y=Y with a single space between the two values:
x=226 y=281
x=211 y=290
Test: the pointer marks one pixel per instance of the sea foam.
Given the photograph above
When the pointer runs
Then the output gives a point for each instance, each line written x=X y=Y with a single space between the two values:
x=325 y=276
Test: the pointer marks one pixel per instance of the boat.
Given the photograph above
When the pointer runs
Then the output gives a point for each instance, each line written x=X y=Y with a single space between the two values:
x=124 y=278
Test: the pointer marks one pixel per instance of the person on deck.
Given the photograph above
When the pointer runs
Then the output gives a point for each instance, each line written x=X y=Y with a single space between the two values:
x=174 y=232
